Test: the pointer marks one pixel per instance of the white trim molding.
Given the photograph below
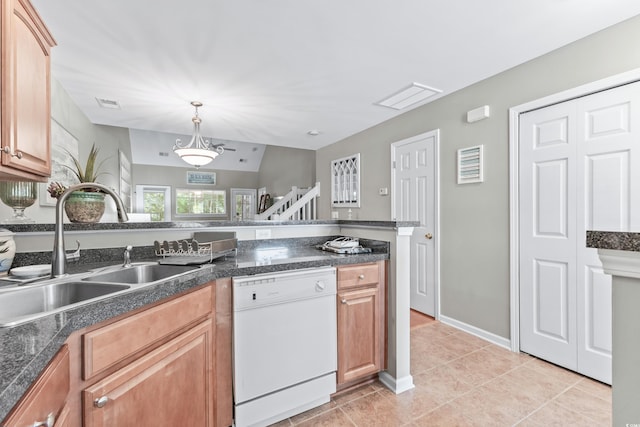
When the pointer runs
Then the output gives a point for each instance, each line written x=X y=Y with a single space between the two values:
x=396 y=385
x=480 y=333
x=620 y=263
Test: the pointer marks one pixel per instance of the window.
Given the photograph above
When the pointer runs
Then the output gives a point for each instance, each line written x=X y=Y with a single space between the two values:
x=154 y=200
x=200 y=202
x=345 y=182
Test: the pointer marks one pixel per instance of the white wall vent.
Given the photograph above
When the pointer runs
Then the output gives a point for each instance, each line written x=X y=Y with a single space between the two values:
x=470 y=165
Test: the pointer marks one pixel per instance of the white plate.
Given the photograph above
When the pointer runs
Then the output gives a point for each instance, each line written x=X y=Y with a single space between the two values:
x=31 y=270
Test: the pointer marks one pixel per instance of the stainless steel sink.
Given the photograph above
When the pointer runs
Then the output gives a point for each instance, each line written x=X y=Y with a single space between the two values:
x=139 y=274
x=34 y=301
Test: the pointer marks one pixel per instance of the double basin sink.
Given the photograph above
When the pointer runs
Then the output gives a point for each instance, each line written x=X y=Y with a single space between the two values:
x=29 y=302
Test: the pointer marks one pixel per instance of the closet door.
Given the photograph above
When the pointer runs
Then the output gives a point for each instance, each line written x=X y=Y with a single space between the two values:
x=548 y=234
x=609 y=190
x=579 y=171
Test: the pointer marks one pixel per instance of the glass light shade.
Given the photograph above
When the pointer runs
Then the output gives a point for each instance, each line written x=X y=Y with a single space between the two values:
x=196 y=156
x=19 y=196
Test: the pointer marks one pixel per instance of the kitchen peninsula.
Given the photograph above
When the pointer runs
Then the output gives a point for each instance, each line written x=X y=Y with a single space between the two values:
x=620 y=256
x=27 y=348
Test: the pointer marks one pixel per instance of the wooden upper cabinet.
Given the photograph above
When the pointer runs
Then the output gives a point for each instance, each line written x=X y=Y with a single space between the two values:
x=25 y=93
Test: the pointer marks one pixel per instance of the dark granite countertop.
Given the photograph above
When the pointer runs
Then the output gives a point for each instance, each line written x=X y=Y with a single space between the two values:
x=617 y=240
x=27 y=228
x=27 y=348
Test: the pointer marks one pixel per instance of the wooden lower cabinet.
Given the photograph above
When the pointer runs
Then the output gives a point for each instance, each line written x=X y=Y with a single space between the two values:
x=171 y=386
x=159 y=366
x=361 y=321
x=46 y=399
x=224 y=369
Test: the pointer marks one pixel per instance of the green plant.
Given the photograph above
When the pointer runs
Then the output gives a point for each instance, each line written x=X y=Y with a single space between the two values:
x=87 y=173
x=91 y=171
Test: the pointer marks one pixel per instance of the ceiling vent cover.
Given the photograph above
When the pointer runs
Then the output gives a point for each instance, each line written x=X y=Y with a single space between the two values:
x=470 y=165
x=407 y=96
x=108 y=103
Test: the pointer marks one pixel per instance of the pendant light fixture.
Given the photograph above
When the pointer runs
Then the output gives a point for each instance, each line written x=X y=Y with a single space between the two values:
x=198 y=152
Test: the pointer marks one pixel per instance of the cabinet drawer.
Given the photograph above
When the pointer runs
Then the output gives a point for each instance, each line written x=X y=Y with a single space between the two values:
x=47 y=396
x=109 y=345
x=352 y=276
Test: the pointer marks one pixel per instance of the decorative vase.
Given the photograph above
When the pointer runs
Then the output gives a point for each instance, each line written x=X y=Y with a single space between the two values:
x=19 y=196
x=7 y=249
x=85 y=207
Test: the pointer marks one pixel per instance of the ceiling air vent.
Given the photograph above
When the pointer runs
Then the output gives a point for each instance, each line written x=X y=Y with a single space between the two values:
x=108 y=103
x=407 y=96
x=470 y=165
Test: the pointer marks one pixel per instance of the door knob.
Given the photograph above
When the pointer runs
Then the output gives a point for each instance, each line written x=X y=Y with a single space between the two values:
x=429 y=236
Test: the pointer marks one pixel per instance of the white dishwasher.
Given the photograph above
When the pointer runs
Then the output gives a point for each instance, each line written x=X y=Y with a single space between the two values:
x=284 y=344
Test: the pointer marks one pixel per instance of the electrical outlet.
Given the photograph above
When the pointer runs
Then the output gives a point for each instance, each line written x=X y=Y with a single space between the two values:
x=263 y=233
x=335 y=215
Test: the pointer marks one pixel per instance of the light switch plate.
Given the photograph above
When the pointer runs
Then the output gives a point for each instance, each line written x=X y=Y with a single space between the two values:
x=335 y=215
x=383 y=191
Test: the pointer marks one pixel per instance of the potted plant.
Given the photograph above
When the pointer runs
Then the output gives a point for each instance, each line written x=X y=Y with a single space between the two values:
x=85 y=206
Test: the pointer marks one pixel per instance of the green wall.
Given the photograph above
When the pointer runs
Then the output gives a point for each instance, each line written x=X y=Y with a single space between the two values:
x=474 y=234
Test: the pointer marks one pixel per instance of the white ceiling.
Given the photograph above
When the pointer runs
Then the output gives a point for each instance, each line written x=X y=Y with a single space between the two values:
x=270 y=71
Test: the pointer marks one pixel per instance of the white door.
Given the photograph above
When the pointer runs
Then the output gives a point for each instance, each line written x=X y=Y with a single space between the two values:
x=578 y=172
x=415 y=187
x=243 y=203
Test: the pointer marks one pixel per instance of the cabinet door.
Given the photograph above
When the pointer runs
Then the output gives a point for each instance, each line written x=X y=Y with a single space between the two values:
x=359 y=330
x=65 y=419
x=171 y=386
x=26 y=96
x=47 y=396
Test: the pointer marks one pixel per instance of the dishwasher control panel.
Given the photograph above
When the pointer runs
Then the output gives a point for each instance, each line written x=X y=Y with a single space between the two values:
x=276 y=288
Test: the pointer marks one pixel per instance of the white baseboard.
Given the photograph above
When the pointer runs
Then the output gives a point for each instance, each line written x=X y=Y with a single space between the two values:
x=396 y=385
x=480 y=333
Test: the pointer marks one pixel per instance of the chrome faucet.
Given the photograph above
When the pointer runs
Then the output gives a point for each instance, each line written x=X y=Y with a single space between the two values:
x=58 y=257
x=127 y=256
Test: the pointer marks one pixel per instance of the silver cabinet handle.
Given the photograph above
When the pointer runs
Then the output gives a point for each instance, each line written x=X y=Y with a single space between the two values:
x=7 y=150
x=100 y=402
x=49 y=422
x=343 y=300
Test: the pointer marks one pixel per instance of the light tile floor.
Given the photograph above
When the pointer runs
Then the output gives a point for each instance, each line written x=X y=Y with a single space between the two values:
x=462 y=380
